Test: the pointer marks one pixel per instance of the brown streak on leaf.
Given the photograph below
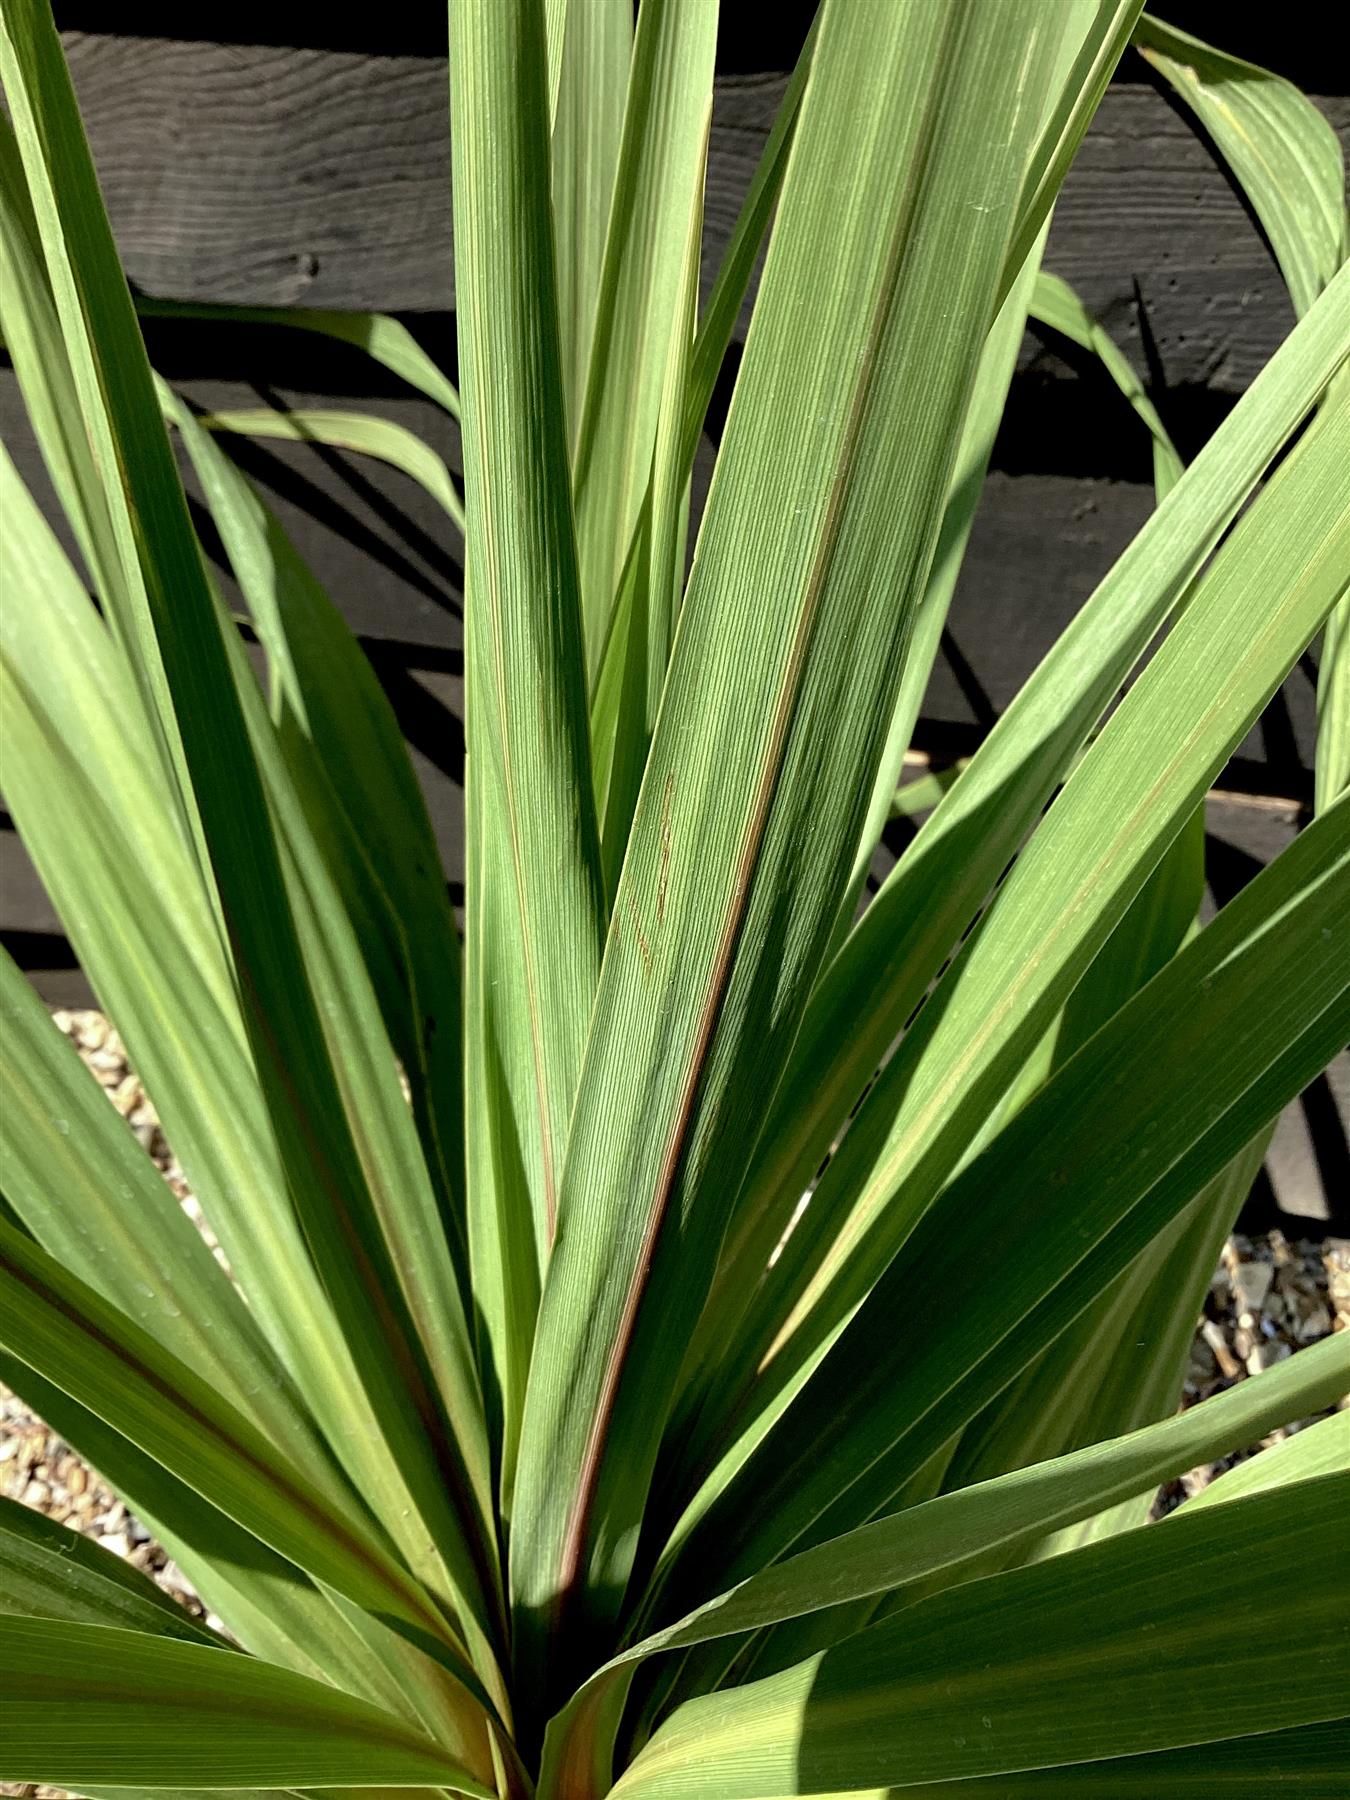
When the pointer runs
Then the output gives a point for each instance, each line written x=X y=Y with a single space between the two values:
x=640 y=934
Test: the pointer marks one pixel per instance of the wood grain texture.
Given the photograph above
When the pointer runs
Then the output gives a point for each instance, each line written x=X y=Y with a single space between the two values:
x=268 y=174
x=251 y=172
x=749 y=38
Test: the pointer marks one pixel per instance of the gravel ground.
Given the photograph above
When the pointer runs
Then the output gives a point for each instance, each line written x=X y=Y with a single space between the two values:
x=1269 y=1296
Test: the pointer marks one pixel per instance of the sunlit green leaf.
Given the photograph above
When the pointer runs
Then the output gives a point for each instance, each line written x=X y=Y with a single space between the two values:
x=93 y=1704
x=364 y=432
x=1105 y=1652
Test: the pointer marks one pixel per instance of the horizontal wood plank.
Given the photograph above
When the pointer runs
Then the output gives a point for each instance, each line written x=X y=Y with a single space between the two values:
x=388 y=555
x=749 y=39
x=266 y=174
x=1304 y=1186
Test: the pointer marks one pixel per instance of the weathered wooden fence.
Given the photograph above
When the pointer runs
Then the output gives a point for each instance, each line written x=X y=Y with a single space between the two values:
x=297 y=160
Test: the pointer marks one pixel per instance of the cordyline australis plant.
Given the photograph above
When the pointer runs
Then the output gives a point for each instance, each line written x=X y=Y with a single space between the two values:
x=538 y=1440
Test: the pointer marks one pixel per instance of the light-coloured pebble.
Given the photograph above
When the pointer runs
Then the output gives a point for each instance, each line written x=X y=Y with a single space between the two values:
x=1251 y=1283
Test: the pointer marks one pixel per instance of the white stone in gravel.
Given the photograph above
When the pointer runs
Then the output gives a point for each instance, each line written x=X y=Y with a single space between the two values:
x=1314 y=1325
x=1251 y=1284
